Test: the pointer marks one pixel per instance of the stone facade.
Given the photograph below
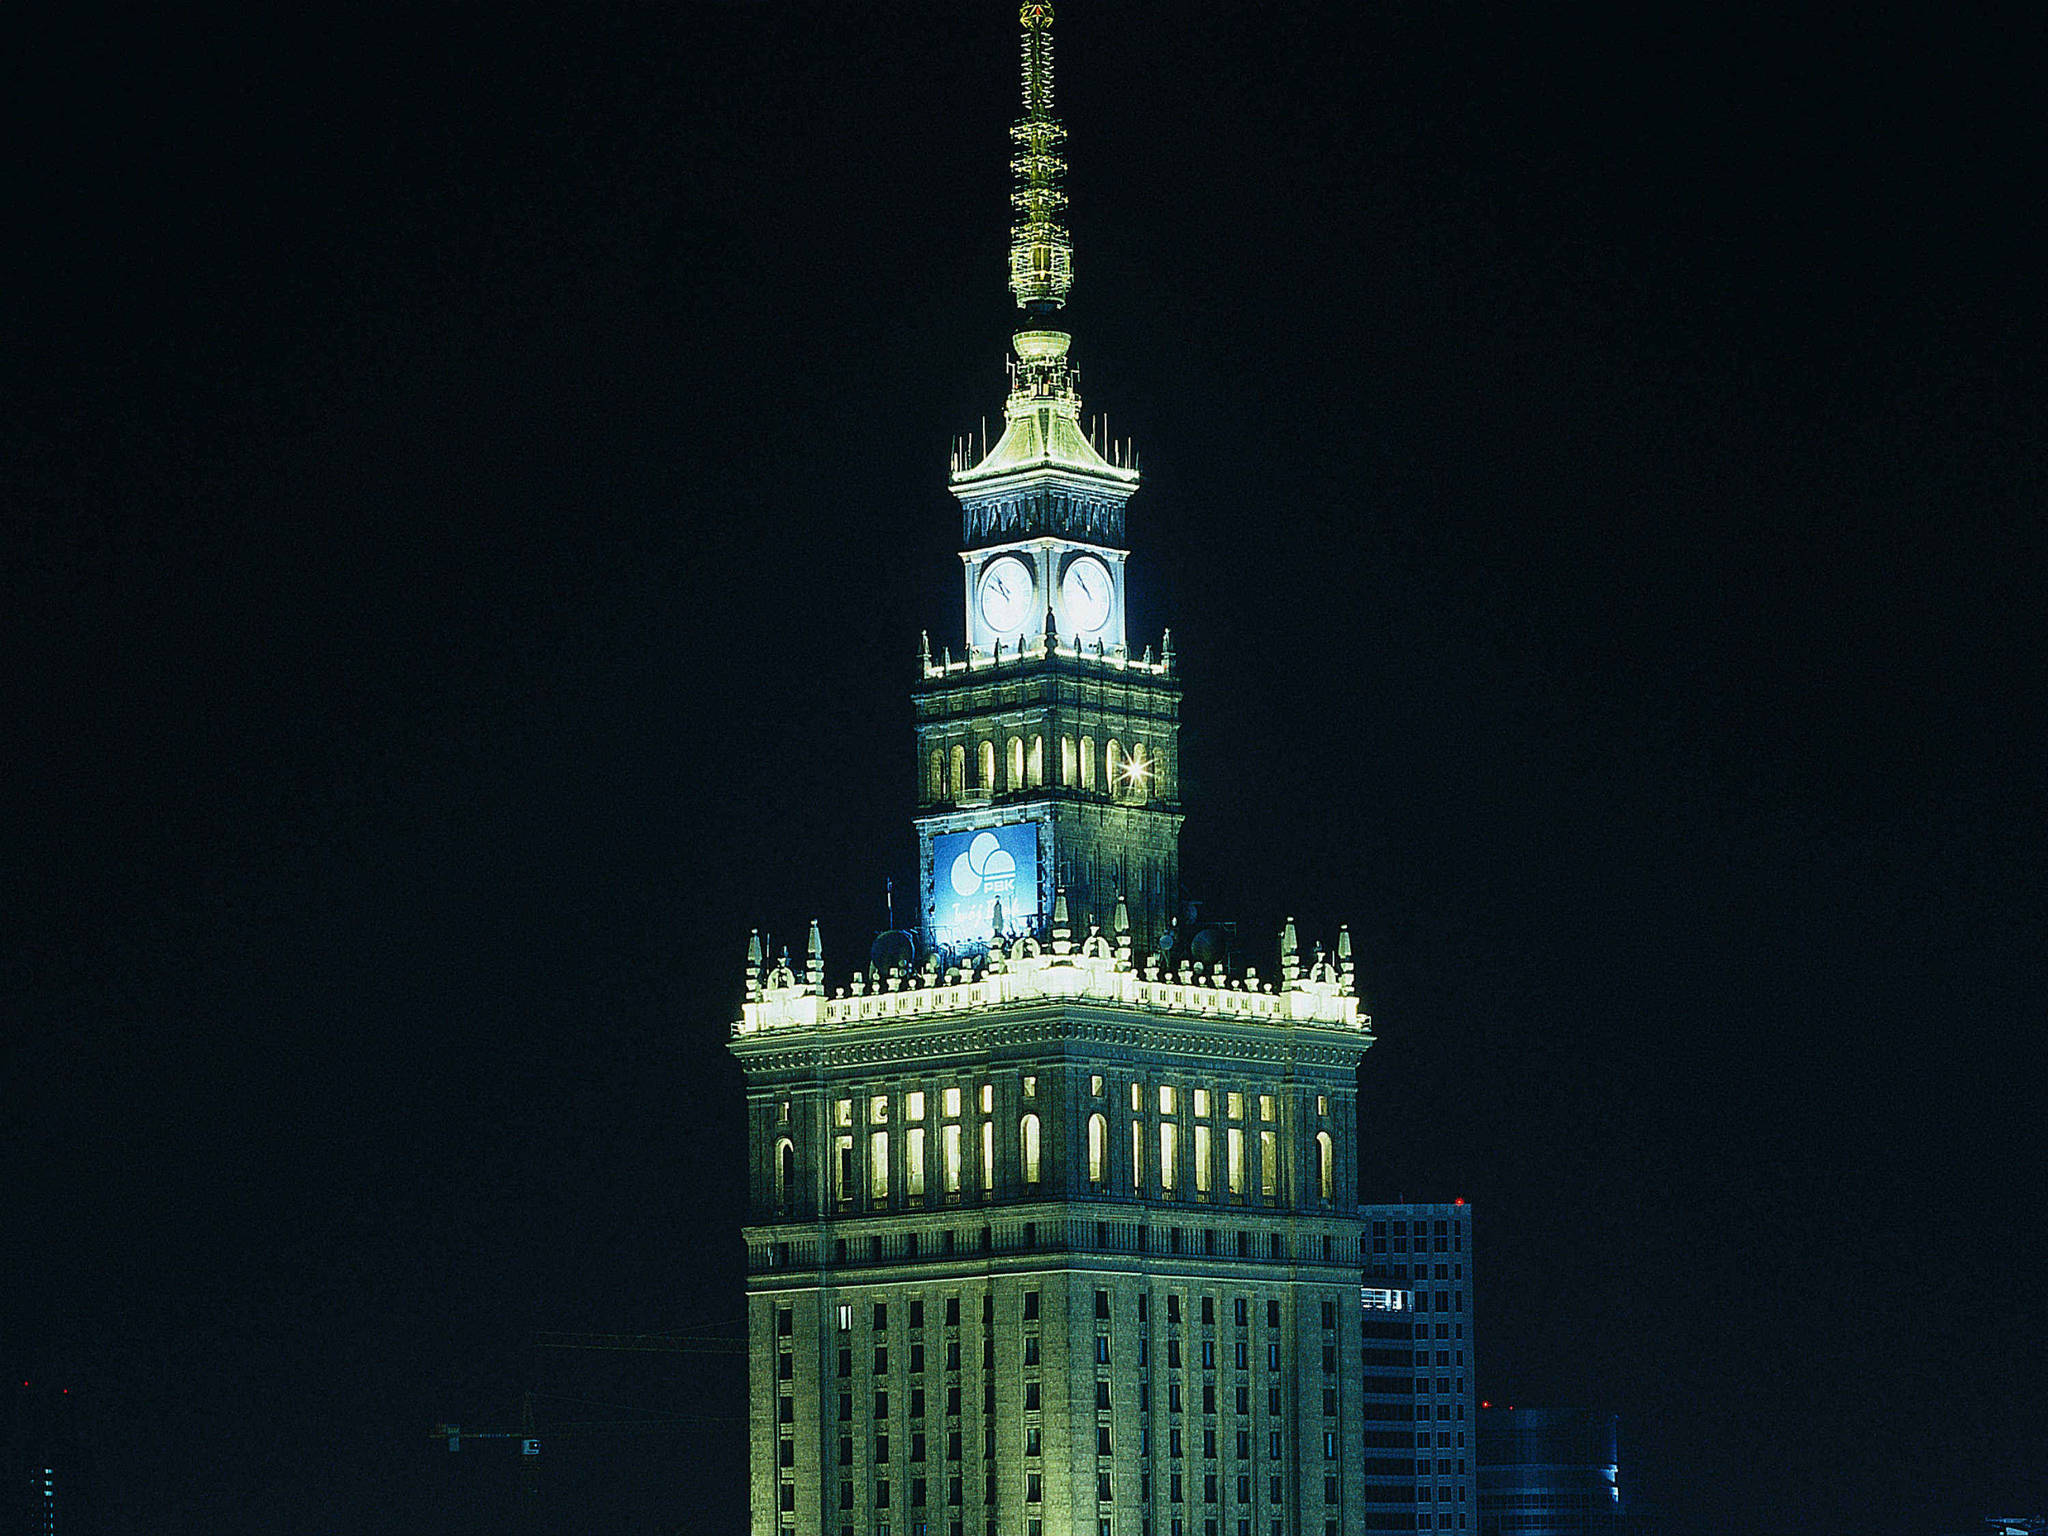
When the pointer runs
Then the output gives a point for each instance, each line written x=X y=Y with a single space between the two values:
x=981 y=1301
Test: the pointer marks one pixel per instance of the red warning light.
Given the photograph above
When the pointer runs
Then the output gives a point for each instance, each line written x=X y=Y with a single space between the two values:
x=1459 y=1201
x=1484 y=1404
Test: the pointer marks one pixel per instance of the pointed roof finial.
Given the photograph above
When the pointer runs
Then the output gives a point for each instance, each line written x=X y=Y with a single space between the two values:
x=814 y=957
x=1041 y=250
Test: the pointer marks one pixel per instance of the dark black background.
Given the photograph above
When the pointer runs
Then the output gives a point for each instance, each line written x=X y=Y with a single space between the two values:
x=473 y=482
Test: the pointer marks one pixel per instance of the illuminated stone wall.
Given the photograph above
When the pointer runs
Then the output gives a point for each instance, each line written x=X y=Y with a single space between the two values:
x=1228 y=1317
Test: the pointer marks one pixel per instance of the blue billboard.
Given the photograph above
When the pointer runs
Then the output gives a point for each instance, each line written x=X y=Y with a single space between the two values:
x=973 y=871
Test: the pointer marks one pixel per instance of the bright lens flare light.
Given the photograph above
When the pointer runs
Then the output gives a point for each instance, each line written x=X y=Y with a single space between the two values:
x=1136 y=769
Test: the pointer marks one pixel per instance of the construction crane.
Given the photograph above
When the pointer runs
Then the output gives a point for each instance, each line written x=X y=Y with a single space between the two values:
x=528 y=1433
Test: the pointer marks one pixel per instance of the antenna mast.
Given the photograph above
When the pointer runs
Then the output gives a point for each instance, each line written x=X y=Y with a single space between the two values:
x=1041 y=250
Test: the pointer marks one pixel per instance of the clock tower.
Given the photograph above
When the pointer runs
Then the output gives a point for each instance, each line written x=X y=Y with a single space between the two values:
x=1047 y=745
x=1053 y=1229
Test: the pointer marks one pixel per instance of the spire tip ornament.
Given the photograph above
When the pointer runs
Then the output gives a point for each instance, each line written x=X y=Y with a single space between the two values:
x=1041 y=250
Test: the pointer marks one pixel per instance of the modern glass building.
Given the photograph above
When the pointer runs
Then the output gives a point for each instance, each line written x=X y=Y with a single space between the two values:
x=1417 y=1380
x=1550 y=1472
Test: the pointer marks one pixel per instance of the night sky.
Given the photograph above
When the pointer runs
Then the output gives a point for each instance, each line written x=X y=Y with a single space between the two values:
x=470 y=486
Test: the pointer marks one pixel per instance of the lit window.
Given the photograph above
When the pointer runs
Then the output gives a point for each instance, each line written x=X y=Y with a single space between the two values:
x=1037 y=774
x=1201 y=1101
x=1016 y=762
x=988 y=1097
x=1266 y=1107
x=1326 y=1179
x=842 y=1112
x=1087 y=762
x=951 y=1150
x=1137 y=1098
x=988 y=766
x=913 y=1157
x=1233 y=1156
x=913 y=1104
x=1269 y=1163
x=1202 y=1159
x=1095 y=1087
x=1322 y=1103
x=1137 y=1154
x=1234 y=1105
x=1028 y=1138
x=1098 y=1150
x=1165 y=1099
x=988 y=1156
x=1070 y=762
x=842 y=1164
x=845 y=1317
x=878 y=1165
x=959 y=765
x=1169 y=1159
x=878 y=1109
x=952 y=1102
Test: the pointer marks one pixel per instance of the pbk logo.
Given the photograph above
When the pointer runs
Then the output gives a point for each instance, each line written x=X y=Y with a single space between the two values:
x=985 y=866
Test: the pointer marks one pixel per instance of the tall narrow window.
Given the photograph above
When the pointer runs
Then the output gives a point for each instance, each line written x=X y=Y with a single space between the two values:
x=1016 y=763
x=1037 y=771
x=1202 y=1159
x=913 y=1161
x=951 y=1148
x=1112 y=764
x=1233 y=1159
x=988 y=1156
x=842 y=1168
x=935 y=780
x=959 y=778
x=1269 y=1163
x=1027 y=1135
x=1087 y=762
x=1326 y=1173
x=988 y=767
x=1169 y=1155
x=785 y=1171
x=1098 y=1150
x=1070 y=764
x=878 y=1165
x=1138 y=1155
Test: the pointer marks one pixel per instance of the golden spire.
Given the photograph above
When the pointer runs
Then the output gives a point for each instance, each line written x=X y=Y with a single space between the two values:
x=1041 y=251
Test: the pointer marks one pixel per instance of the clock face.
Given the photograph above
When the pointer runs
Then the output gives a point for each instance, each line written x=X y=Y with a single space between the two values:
x=1006 y=588
x=1085 y=593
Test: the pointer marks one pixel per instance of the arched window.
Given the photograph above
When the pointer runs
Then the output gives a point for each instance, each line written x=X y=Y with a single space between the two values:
x=935 y=783
x=785 y=1173
x=1070 y=769
x=1016 y=763
x=1326 y=1174
x=1027 y=1136
x=1112 y=767
x=988 y=767
x=1098 y=1150
x=1037 y=761
x=1087 y=762
x=959 y=771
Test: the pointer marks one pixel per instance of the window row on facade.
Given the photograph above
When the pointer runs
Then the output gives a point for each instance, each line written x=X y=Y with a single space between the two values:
x=1199 y=1142
x=968 y=770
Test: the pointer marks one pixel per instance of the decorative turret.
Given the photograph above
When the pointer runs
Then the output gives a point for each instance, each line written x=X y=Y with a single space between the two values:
x=1290 y=954
x=814 y=958
x=1345 y=973
x=754 y=959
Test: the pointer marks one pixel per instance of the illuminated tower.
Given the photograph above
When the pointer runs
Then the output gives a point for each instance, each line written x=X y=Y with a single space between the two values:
x=1053 y=1229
